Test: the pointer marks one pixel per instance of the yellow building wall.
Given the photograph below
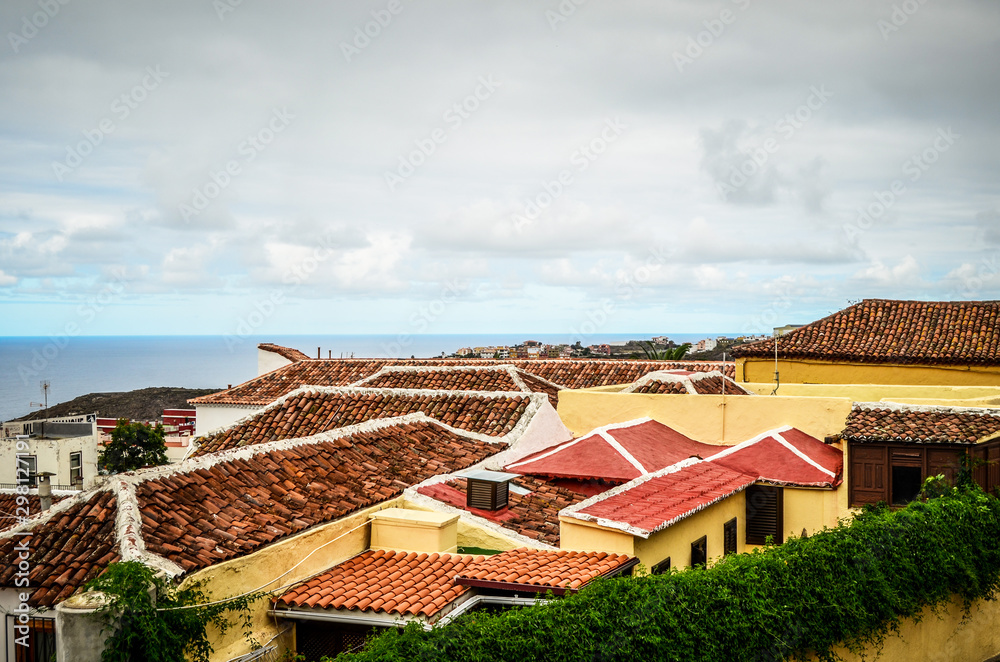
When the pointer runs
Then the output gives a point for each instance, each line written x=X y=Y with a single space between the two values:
x=831 y=372
x=707 y=418
x=674 y=541
x=879 y=392
x=811 y=509
x=253 y=571
x=946 y=636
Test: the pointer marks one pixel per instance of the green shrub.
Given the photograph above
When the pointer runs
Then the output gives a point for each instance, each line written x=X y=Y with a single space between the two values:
x=851 y=584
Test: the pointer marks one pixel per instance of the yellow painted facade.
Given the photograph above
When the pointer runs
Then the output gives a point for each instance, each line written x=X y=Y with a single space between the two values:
x=399 y=529
x=879 y=392
x=811 y=509
x=707 y=418
x=945 y=636
x=803 y=371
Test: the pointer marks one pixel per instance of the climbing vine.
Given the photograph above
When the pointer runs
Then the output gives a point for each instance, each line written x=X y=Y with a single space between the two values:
x=149 y=619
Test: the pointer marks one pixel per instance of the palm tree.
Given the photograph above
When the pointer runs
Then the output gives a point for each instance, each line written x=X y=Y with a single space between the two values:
x=672 y=354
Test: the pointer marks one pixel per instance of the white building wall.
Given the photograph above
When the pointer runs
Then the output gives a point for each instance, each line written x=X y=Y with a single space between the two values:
x=268 y=361
x=51 y=455
x=211 y=417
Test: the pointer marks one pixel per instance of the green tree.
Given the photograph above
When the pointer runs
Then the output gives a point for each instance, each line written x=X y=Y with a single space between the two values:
x=670 y=354
x=133 y=445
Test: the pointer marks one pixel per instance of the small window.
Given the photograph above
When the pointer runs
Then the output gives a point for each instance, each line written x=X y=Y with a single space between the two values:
x=660 y=567
x=699 y=552
x=729 y=537
x=906 y=482
x=27 y=469
x=764 y=514
x=76 y=468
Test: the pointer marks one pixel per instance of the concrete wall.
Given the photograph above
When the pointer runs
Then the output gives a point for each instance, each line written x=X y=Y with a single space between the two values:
x=707 y=418
x=830 y=372
x=212 y=417
x=51 y=455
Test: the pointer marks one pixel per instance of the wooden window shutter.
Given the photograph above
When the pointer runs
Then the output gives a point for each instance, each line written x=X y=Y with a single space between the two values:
x=729 y=537
x=764 y=514
x=699 y=552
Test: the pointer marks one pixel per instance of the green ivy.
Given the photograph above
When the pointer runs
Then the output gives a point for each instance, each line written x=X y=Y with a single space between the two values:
x=148 y=619
x=849 y=585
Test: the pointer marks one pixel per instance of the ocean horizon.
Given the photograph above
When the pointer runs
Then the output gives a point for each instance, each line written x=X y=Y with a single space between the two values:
x=76 y=366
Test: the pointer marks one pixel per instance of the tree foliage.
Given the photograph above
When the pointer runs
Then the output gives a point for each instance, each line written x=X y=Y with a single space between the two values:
x=148 y=619
x=133 y=446
x=850 y=585
x=669 y=354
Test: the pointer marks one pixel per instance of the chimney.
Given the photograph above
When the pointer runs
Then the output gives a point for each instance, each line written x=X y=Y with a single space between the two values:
x=45 y=490
x=488 y=490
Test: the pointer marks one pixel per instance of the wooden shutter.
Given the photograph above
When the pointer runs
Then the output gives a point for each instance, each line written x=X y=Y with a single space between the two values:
x=765 y=514
x=729 y=537
x=867 y=480
x=660 y=567
x=699 y=552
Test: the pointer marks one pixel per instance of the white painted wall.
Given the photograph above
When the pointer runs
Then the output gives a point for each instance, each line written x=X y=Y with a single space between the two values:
x=211 y=417
x=52 y=455
x=268 y=361
x=545 y=430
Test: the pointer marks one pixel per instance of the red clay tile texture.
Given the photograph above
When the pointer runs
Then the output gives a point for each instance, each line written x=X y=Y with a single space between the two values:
x=874 y=424
x=567 y=373
x=199 y=518
x=903 y=332
x=445 y=380
x=535 y=515
x=405 y=583
x=13 y=511
x=543 y=568
x=289 y=353
x=65 y=551
x=312 y=412
x=663 y=499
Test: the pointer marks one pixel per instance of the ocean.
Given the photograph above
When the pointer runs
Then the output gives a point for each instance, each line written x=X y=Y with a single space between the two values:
x=75 y=366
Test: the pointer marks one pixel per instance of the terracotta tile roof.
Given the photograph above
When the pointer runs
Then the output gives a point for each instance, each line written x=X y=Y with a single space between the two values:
x=310 y=411
x=534 y=515
x=614 y=453
x=656 y=501
x=289 y=353
x=11 y=513
x=886 y=331
x=487 y=378
x=892 y=423
x=539 y=385
x=786 y=456
x=69 y=546
x=684 y=382
x=541 y=570
x=561 y=373
x=197 y=513
x=385 y=582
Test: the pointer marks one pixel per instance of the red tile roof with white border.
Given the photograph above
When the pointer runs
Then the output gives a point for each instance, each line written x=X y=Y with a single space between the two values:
x=615 y=453
x=656 y=501
x=786 y=456
x=541 y=570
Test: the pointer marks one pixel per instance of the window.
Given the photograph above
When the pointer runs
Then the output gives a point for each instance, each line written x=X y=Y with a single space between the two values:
x=729 y=537
x=764 y=514
x=27 y=467
x=35 y=643
x=660 y=567
x=76 y=468
x=906 y=483
x=699 y=552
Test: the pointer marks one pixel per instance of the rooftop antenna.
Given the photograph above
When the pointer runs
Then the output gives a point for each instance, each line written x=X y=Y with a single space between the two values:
x=777 y=378
x=44 y=385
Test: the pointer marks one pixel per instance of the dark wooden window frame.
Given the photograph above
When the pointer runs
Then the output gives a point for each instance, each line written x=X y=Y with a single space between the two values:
x=699 y=552
x=660 y=567
x=730 y=536
x=759 y=522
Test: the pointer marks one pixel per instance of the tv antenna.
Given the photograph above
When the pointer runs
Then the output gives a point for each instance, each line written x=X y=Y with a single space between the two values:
x=44 y=385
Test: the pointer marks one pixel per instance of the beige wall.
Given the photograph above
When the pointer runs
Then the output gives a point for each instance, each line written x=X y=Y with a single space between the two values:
x=812 y=509
x=829 y=372
x=878 y=392
x=707 y=418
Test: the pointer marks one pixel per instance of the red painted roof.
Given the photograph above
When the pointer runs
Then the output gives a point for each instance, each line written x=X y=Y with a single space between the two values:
x=888 y=331
x=654 y=502
x=604 y=453
x=786 y=456
x=405 y=583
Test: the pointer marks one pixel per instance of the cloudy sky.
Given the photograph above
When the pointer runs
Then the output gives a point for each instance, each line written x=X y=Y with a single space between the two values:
x=388 y=166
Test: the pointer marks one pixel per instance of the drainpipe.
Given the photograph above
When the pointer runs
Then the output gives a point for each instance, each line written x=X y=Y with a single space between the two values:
x=45 y=490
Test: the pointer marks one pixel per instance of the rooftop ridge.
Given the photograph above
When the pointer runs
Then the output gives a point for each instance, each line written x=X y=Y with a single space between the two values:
x=943 y=409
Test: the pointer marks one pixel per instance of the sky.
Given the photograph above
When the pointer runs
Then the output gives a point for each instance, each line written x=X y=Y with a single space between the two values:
x=241 y=167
